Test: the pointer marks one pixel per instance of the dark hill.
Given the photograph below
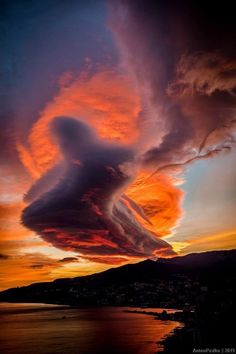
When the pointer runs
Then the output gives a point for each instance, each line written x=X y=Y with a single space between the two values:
x=176 y=282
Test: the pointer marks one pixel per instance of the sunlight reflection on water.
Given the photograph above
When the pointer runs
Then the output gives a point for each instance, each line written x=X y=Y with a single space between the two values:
x=51 y=329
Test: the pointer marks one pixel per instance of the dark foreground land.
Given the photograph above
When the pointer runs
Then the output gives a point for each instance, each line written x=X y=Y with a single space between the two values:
x=201 y=285
x=204 y=330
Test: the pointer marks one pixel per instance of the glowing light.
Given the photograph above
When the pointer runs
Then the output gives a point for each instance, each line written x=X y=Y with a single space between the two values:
x=106 y=100
x=160 y=200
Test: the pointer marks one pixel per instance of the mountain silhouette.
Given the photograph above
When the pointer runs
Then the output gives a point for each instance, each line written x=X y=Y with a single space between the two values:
x=175 y=282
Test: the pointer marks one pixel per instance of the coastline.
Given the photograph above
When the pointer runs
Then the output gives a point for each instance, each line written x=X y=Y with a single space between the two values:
x=182 y=317
x=199 y=331
x=196 y=330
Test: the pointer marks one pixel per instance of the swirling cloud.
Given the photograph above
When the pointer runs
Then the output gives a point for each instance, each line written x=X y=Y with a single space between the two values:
x=84 y=209
x=182 y=58
x=173 y=104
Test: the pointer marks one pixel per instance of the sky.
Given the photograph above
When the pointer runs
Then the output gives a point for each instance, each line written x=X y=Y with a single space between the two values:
x=118 y=134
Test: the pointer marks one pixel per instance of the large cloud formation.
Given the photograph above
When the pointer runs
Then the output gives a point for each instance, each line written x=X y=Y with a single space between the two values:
x=85 y=209
x=108 y=201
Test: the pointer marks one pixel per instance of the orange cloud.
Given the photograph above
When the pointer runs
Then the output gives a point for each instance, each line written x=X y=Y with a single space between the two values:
x=105 y=100
x=160 y=201
x=109 y=103
x=110 y=260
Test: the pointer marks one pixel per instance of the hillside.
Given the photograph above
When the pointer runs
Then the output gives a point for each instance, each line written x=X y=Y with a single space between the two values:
x=177 y=282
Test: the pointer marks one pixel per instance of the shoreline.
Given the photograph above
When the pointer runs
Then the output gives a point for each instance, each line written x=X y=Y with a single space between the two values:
x=202 y=328
x=181 y=338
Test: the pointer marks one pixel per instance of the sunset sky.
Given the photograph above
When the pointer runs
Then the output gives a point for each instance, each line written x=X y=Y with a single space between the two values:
x=118 y=132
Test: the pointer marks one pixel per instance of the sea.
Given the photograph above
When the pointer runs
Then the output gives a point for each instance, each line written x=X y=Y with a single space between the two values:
x=51 y=329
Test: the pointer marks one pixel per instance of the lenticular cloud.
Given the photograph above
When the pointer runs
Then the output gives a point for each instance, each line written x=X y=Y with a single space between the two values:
x=86 y=210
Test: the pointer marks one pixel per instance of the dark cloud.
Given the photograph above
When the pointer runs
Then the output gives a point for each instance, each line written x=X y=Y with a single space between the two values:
x=183 y=59
x=4 y=257
x=38 y=266
x=69 y=260
x=107 y=260
x=86 y=210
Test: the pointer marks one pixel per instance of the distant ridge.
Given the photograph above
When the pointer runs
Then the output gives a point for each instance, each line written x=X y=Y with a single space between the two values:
x=172 y=282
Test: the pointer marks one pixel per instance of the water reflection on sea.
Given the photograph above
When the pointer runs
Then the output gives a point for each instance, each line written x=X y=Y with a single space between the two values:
x=52 y=329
